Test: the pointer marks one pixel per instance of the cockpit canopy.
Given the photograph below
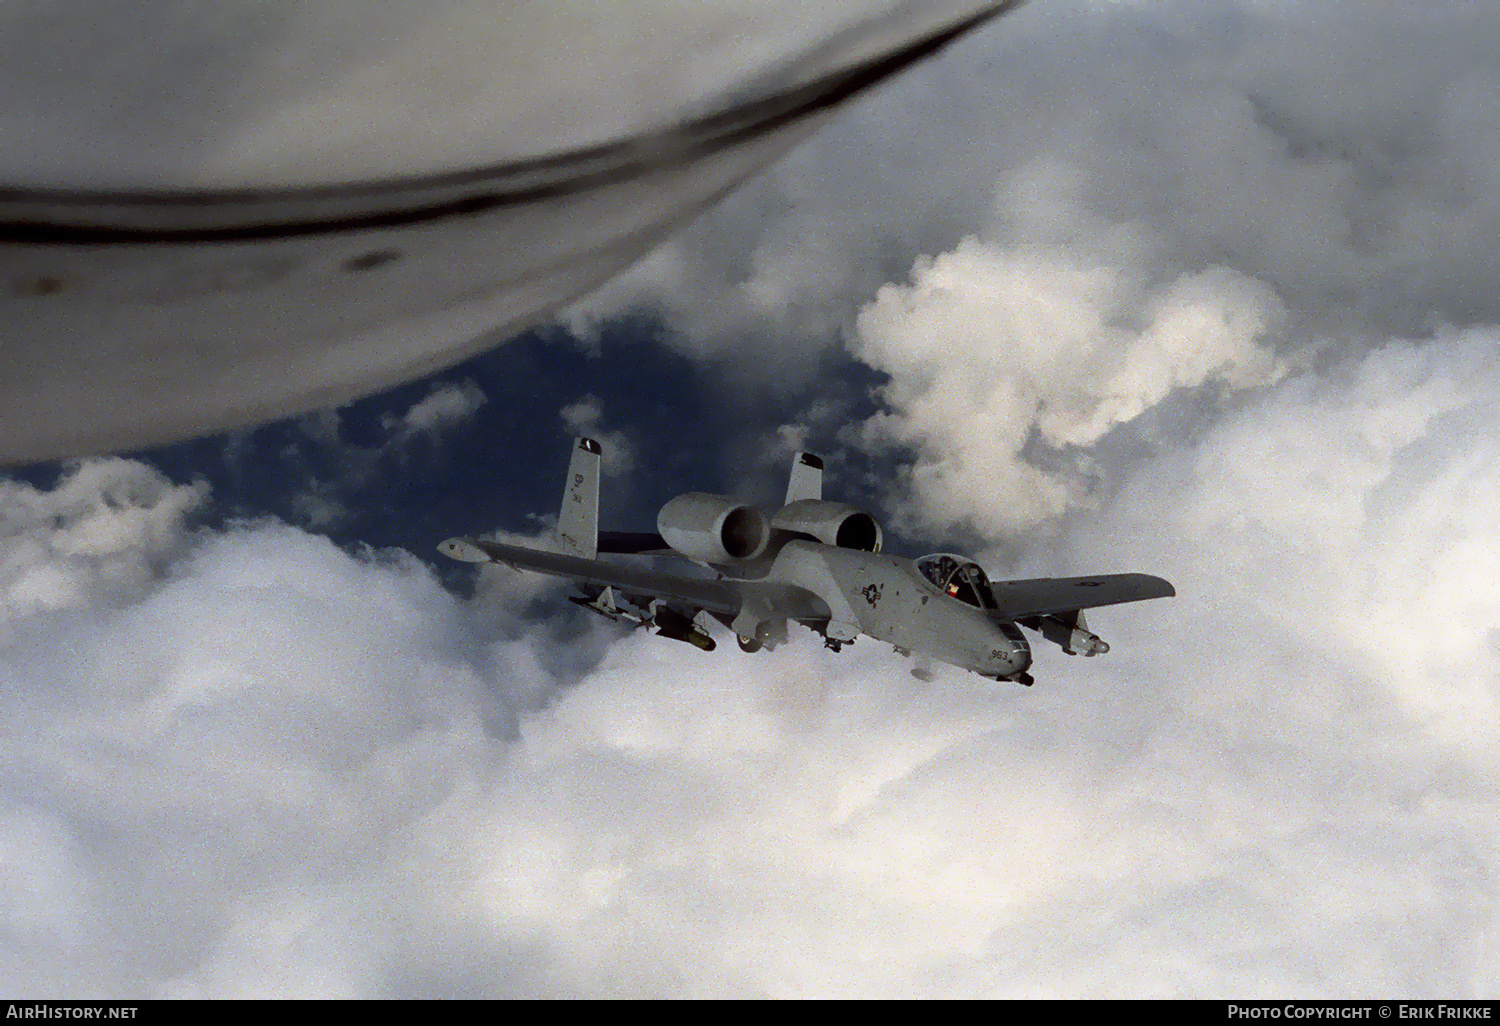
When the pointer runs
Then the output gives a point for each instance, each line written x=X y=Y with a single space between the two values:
x=959 y=577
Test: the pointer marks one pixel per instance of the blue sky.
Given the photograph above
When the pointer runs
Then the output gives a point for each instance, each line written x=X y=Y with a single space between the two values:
x=498 y=462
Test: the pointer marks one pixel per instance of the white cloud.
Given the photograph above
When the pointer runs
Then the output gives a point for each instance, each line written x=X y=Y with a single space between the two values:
x=993 y=350
x=246 y=763
x=283 y=770
x=102 y=536
x=1355 y=500
x=448 y=405
x=1269 y=788
x=586 y=417
x=191 y=772
x=1223 y=134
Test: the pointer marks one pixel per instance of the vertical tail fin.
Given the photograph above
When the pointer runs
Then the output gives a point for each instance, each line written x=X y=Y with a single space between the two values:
x=578 y=520
x=806 y=480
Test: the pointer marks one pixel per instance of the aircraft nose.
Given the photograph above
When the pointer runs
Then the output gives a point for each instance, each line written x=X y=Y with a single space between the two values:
x=1012 y=648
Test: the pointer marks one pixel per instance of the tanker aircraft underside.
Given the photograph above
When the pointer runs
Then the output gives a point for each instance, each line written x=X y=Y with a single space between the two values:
x=816 y=562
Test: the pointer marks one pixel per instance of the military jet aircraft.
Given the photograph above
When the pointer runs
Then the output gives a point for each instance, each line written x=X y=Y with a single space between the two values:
x=815 y=562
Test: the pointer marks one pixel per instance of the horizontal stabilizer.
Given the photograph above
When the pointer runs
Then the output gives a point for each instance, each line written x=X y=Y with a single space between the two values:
x=632 y=541
x=1042 y=595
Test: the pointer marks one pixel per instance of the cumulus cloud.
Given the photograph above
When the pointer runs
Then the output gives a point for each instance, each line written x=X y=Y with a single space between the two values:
x=194 y=774
x=1266 y=789
x=244 y=762
x=1355 y=499
x=282 y=769
x=1276 y=784
x=586 y=417
x=99 y=538
x=992 y=351
x=1194 y=180
x=445 y=407
x=1225 y=134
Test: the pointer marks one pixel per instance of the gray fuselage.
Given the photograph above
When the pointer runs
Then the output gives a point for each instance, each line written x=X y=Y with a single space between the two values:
x=888 y=598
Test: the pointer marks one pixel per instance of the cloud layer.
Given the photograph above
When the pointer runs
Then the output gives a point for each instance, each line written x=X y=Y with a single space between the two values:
x=1198 y=290
x=992 y=352
x=270 y=767
x=1327 y=183
x=1346 y=163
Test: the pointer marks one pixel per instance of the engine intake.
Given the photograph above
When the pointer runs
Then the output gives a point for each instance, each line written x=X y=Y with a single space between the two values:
x=713 y=528
x=832 y=523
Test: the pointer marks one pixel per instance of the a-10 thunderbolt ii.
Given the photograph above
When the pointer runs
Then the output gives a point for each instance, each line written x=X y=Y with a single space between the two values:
x=816 y=562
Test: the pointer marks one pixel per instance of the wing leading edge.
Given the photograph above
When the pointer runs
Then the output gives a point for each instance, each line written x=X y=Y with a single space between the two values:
x=1044 y=595
x=717 y=596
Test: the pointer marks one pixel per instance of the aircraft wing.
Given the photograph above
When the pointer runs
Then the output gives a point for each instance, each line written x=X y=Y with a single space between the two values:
x=1043 y=595
x=716 y=596
x=632 y=541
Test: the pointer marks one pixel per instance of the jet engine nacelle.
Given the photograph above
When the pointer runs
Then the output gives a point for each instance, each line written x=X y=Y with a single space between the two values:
x=832 y=523
x=713 y=528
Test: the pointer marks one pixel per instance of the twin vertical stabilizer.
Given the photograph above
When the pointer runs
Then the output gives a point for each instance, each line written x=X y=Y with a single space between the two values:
x=578 y=520
x=806 y=480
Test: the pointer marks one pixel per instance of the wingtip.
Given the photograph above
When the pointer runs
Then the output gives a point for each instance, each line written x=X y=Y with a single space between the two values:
x=464 y=550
